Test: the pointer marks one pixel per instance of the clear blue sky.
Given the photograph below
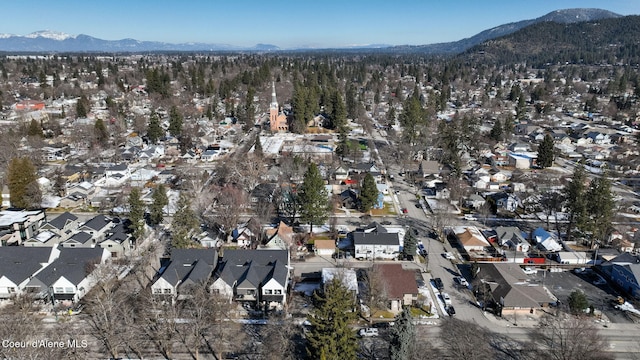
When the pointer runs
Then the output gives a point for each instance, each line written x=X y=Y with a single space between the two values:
x=285 y=23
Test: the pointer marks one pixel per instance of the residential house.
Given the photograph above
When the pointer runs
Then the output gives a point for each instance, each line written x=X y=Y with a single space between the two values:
x=401 y=288
x=505 y=201
x=511 y=237
x=522 y=160
x=475 y=201
x=428 y=168
x=117 y=241
x=505 y=287
x=341 y=173
x=97 y=227
x=470 y=238
x=545 y=240
x=243 y=236
x=254 y=276
x=187 y=267
x=69 y=277
x=282 y=237
x=598 y=138
x=18 y=264
x=55 y=231
x=347 y=278
x=16 y=226
x=376 y=242
x=624 y=271
x=79 y=239
x=324 y=247
x=349 y=199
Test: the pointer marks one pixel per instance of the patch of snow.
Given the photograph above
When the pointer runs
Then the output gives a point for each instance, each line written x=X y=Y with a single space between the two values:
x=48 y=34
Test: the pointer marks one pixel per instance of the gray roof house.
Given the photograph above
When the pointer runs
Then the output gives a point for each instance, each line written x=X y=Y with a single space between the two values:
x=68 y=278
x=186 y=267
x=18 y=264
x=258 y=276
x=511 y=237
x=374 y=242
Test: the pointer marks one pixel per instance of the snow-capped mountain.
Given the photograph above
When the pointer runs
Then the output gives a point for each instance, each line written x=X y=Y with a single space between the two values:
x=48 y=34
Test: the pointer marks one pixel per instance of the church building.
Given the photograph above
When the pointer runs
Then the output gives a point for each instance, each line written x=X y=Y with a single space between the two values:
x=277 y=118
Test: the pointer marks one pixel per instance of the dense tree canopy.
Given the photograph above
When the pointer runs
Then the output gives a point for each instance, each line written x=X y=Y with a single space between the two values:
x=23 y=185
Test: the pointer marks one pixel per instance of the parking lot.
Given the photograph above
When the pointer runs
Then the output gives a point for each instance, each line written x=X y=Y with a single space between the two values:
x=561 y=284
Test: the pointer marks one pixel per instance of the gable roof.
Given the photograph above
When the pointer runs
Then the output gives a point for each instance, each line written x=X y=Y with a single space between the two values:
x=471 y=236
x=81 y=237
x=18 y=263
x=510 y=233
x=509 y=287
x=72 y=264
x=61 y=221
x=397 y=281
x=194 y=265
x=374 y=238
x=255 y=266
x=98 y=222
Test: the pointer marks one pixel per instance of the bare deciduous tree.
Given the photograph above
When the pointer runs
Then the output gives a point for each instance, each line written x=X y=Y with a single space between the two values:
x=566 y=337
x=464 y=340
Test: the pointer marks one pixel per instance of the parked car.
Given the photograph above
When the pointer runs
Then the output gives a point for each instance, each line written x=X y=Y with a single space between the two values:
x=450 y=310
x=404 y=210
x=448 y=255
x=446 y=298
x=438 y=283
x=368 y=332
x=530 y=271
x=461 y=280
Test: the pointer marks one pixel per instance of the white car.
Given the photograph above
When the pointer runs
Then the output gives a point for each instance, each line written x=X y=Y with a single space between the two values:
x=530 y=271
x=448 y=255
x=446 y=298
x=368 y=332
x=462 y=281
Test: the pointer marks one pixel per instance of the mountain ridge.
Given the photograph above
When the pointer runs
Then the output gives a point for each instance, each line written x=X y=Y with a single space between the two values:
x=54 y=41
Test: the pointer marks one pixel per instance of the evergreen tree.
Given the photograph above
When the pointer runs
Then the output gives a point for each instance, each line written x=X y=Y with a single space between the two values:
x=160 y=200
x=34 y=129
x=24 y=191
x=313 y=198
x=508 y=127
x=154 y=130
x=82 y=107
x=330 y=337
x=175 y=122
x=412 y=116
x=600 y=207
x=496 y=131
x=575 y=193
x=136 y=213
x=391 y=116
x=100 y=132
x=577 y=302
x=342 y=148
x=521 y=108
x=546 y=152
x=351 y=103
x=339 y=116
x=403 y=337
x=410 y=243
x=184 y=222
x=368 y=193
x=257 y=149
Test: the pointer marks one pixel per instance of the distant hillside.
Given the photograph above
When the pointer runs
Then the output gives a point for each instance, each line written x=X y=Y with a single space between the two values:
x=559 y=16
x=614 y=40
x=51 y=41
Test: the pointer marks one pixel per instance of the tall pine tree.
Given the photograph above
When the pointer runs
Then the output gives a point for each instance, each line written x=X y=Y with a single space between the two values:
x=183 y=223
x=403 y=336
x=154 y=131
x=175 y=122
x=22 y=180
x=330 y=337
x=313 y=198
x=160 y=200
x=136 y=213
x=546 y=152
x=575 y=193
x=600 y=207
x=368 y=193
